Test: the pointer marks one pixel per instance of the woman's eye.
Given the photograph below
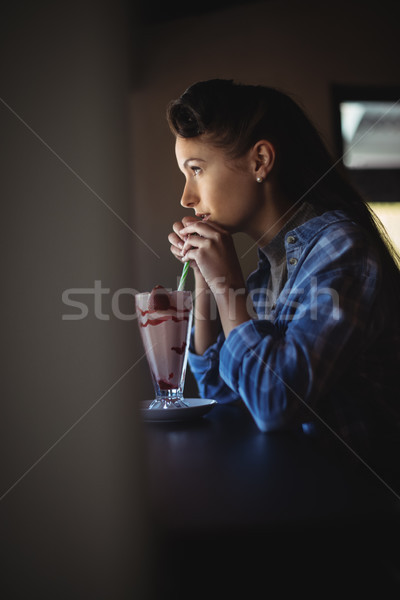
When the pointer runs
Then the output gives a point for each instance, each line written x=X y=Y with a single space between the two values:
x=196 y=171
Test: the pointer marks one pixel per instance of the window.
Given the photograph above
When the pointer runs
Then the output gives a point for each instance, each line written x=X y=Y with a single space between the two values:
x=367 y=135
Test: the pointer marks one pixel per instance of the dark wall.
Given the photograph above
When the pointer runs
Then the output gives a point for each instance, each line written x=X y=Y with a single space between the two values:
x=71 y=490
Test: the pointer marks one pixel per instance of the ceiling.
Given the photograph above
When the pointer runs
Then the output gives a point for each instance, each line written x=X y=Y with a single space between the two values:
x=160 y=11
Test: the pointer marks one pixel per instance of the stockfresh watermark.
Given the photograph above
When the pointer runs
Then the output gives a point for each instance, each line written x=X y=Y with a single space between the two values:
x=292 y=304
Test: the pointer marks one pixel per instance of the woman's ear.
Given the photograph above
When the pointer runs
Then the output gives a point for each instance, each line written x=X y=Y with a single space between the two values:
x=262 y=159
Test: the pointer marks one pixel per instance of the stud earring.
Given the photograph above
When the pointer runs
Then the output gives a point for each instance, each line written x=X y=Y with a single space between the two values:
x=259 y=179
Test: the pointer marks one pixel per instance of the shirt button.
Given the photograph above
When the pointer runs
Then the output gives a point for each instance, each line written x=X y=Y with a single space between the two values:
x=293 y=261
x=290 y=239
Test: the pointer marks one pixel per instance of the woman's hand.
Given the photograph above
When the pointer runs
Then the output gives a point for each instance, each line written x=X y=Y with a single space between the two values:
x=213 y=253
x=177 y=240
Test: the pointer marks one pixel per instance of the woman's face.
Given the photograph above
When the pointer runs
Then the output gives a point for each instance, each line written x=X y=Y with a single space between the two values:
x=217 y=187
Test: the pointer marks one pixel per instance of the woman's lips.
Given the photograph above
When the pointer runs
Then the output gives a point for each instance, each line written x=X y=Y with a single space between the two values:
x=203 y=217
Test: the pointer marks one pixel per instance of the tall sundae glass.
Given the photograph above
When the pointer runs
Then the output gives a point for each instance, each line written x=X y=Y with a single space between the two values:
x=165 y=320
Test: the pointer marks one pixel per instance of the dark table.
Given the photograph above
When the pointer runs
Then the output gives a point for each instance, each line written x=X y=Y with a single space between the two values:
x=235 y=509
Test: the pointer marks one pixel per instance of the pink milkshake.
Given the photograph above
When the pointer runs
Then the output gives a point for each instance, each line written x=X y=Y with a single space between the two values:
x=165 y=320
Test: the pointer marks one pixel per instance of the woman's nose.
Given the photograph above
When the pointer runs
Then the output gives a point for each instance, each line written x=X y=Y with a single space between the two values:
x=189 y=199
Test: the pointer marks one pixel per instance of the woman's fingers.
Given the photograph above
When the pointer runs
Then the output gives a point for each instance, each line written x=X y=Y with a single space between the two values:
x=196 y=241
x=177 y=244
x=190 y=219
x=202 y=228
x=191 y=240
x=176 y=252
x=177 y=228
x=201 y=237
x=175 y=240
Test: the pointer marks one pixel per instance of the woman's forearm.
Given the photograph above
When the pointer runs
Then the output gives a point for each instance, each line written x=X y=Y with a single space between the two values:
x=233 y=308
x=206 y=319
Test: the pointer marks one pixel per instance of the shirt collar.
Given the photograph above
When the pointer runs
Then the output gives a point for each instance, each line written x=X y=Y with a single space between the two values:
x=306 y=231
x=274 y=251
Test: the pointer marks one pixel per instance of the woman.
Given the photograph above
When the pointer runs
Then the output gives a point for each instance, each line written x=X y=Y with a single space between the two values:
x=311 y=340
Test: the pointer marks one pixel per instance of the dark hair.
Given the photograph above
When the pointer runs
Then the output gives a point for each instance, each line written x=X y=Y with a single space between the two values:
x=235 y=116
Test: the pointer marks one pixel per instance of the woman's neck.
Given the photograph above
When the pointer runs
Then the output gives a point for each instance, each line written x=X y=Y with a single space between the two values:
x=275 y=211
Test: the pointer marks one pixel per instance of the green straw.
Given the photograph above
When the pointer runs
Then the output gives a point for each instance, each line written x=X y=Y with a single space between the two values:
x=182 y=280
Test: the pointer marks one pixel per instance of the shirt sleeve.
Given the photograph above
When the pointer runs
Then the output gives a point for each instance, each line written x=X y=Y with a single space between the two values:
x=205 y=369
x=282 y=369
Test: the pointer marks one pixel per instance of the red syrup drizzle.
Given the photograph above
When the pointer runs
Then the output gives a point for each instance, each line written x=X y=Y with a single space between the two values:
x=151 y=311
x=180 y=350
x=166 y=385
x=162 y=319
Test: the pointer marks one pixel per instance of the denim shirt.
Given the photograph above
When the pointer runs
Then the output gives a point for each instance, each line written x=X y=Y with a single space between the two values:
x=326 y=356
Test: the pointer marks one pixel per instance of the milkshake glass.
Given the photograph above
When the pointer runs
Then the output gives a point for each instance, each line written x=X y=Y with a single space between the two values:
x=165 y=320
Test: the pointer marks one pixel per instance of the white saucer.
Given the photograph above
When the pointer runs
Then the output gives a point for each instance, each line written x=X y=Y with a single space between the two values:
x=197 y=408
